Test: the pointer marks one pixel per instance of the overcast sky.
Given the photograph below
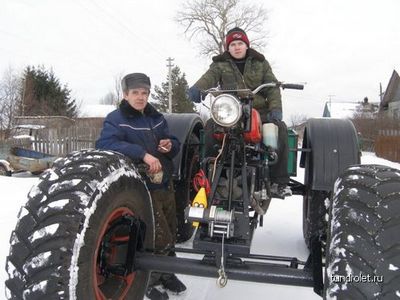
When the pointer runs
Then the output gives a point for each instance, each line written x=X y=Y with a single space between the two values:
x=342 y=49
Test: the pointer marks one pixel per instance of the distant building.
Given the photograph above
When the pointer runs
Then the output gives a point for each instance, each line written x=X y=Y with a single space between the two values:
x=390 y=102
x=92 y=115
x=347 y=110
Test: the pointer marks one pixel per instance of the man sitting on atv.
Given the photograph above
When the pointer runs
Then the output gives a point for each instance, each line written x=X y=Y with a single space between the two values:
x=241 y=67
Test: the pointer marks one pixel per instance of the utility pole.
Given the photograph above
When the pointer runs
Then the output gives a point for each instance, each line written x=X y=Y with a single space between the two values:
x=170 y=65
x=330 y=100
x=23 y=97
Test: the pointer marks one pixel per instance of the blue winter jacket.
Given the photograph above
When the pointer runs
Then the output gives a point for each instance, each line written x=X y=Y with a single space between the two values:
x=132 y=133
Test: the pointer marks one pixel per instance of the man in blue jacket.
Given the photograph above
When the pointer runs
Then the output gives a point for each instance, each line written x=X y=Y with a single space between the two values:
x=139 y=131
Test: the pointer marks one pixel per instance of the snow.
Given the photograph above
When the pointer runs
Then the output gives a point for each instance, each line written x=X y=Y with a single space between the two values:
x=371 y=158
x=43 y=232
x=393 y=267
x=30 y=126
x=36 y=287
x=350 y=239
x=353 y=192
x=59 y=186
x=281 y=235
x=37 y=261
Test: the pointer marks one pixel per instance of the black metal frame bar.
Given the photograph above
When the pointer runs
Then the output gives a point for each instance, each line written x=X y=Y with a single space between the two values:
x=245 y=271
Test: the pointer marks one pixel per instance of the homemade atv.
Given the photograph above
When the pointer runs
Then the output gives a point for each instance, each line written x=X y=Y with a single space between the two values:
x=87 y=230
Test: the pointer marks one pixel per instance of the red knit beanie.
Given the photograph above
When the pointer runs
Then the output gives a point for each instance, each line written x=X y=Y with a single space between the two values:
x=236 y=34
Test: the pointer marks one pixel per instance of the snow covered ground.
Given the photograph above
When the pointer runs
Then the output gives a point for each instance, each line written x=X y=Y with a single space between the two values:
x=281 y=235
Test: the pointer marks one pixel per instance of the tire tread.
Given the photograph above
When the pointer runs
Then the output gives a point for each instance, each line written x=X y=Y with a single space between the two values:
x=90 y=167
x=361 y=205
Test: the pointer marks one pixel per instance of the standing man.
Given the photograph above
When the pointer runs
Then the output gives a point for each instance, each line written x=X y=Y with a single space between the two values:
x=241 y=67
x=139 y=131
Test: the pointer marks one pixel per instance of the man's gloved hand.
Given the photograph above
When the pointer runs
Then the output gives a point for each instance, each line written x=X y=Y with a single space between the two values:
x=194 y=94
x=274 y=115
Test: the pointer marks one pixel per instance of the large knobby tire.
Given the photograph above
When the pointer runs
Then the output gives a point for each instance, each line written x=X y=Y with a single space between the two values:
x=314 y=215
x=363 y=247
x=67 y=227
x=184 y=191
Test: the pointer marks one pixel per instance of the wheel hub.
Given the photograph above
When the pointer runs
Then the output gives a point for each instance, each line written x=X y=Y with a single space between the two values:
x=120 y=237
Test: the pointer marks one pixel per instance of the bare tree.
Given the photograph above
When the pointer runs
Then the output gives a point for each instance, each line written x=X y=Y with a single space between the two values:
x=10 y=99
x=114 y=96
x=117 y=87
x=109 y=99
x=209 y=20
x=297 y=120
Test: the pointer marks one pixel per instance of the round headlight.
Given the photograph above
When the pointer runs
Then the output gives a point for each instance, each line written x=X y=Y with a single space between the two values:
x=226 y=110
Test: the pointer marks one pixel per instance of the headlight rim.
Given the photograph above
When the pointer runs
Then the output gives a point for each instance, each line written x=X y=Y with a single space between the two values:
x=236 y=103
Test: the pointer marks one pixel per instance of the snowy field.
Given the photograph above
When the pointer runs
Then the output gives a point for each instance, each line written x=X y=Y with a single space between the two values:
x=281 y=235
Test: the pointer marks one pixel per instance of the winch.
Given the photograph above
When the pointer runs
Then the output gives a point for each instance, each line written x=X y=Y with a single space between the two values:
x=220 y=221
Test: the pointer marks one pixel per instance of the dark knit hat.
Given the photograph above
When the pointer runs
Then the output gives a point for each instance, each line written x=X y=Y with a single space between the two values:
x=236 y=34
x=135 y=81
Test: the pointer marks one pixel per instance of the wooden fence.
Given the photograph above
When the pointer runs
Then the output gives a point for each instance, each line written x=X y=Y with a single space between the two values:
x=61 y=141
x=387 y=145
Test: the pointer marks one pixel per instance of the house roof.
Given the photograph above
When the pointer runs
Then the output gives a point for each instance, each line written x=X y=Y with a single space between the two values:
x=392 y=92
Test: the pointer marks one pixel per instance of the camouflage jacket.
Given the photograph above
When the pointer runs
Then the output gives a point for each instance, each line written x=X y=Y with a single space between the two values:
x=223 y=71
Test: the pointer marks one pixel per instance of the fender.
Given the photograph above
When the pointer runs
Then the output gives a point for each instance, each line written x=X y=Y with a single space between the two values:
x=334 y=146
x=182 y=126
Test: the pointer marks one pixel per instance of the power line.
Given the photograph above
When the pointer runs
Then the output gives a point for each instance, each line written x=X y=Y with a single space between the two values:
x=95 y=22
x=128 y=29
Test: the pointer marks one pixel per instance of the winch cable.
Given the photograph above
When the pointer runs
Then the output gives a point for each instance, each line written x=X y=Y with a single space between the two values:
x=222 y=279
x=216 y=159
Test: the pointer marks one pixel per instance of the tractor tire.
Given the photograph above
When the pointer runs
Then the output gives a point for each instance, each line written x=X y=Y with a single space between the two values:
x=69 y=226
x=363 y=245
x=184 y=191
x=314 y=215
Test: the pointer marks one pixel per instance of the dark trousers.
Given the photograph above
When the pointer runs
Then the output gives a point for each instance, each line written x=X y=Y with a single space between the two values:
x=164 y=210
x=164 y=219
x=278 y=172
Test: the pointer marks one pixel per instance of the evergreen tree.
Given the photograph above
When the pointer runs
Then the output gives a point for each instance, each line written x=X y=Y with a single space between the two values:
x=44 y=95
x=180 y=102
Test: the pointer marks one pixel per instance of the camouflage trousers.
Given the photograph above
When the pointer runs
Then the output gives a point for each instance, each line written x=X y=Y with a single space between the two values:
x=279 y=171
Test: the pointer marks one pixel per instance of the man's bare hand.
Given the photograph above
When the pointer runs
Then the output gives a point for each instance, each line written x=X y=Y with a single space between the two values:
x=153 y=163
x=165 y=146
